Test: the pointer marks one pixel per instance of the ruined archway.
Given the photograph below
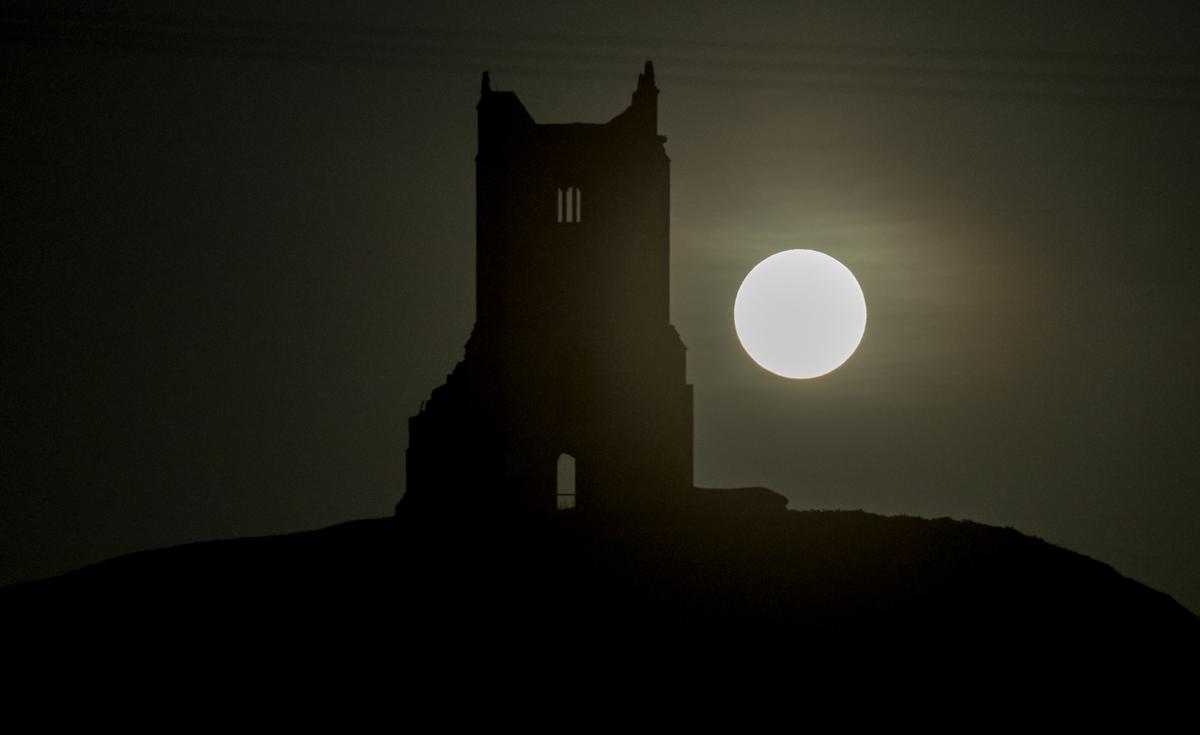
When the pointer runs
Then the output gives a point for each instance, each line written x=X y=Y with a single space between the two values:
x=565 y=486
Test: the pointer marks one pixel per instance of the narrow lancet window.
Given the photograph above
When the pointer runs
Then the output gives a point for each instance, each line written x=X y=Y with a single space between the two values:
x=570 y=204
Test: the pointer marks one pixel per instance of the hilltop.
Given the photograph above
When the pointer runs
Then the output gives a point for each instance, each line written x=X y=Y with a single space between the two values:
x=730 y=572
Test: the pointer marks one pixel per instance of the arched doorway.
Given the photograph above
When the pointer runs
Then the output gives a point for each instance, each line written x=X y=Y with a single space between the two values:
x=565 y=488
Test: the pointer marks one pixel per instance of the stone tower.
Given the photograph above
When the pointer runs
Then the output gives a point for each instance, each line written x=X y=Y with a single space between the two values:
x=573 y=353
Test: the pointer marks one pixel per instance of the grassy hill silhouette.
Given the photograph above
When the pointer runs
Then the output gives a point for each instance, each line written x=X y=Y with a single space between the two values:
x=735 y=568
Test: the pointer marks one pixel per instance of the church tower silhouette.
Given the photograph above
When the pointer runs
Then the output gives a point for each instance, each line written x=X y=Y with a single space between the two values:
x=573 y=365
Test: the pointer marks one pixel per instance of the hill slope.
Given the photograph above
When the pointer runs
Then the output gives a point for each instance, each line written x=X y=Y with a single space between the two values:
x=727 y=573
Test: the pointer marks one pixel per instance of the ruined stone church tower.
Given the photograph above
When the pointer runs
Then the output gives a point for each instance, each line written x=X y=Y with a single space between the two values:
x=573 y=356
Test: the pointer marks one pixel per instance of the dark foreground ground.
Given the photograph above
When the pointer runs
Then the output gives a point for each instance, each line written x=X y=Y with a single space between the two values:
x=727 y=578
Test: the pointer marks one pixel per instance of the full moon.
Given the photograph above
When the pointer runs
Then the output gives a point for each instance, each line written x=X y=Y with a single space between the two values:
x=800 y=314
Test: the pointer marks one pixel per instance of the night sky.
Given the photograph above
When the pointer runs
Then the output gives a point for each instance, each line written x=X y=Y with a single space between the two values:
x=238 y=252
